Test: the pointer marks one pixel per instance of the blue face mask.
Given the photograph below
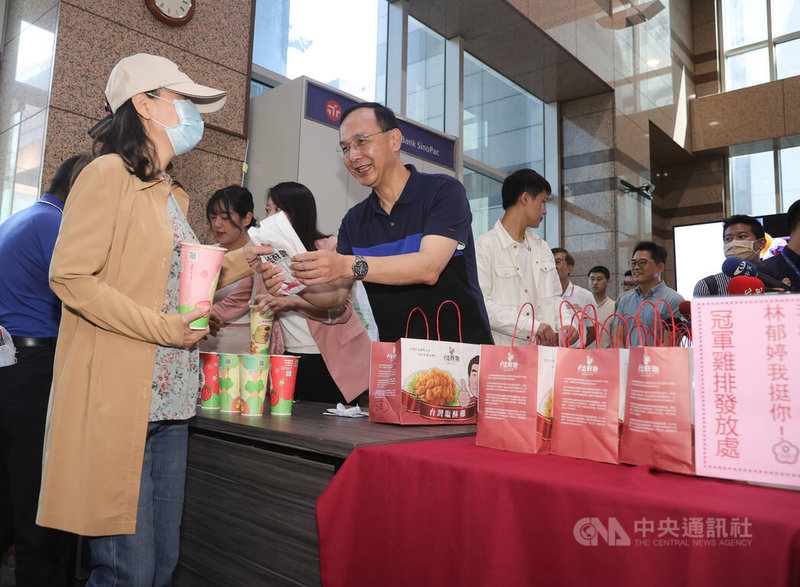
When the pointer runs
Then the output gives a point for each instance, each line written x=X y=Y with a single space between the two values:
x=185 y=135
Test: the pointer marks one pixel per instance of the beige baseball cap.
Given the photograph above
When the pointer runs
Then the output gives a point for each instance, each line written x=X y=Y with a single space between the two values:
x=144 y=72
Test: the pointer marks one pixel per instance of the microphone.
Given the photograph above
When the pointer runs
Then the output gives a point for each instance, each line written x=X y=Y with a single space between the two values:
x=685 y=308
x=744 y=285
x=734 y=267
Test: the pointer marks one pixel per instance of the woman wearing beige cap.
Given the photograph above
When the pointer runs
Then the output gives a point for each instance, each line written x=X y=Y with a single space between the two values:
x=126 y=364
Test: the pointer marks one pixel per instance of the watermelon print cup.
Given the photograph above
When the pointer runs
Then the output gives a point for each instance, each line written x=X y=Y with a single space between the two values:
x=253 y=375
x=209 y=370
x=200 y=268
x=229 y=387
x=283 y=374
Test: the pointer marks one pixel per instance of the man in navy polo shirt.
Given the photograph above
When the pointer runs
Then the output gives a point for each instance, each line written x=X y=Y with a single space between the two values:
x=410 y=241
x=31 y=313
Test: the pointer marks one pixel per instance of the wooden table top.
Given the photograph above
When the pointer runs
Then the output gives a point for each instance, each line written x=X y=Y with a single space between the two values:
x=307 y=429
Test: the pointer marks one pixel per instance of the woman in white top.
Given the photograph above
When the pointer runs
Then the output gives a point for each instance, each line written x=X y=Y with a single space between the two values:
x=230 y=213
x=332 y=345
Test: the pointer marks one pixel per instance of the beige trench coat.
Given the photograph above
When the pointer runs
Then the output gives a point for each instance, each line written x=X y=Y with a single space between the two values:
x=110 y=269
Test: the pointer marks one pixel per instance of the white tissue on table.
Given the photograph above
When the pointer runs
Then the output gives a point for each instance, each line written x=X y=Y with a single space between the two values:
x=277 y=231
x=346 y=411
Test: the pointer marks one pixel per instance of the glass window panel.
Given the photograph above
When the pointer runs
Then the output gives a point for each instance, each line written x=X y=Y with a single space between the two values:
x=785 y=17
x=503 y=124
x=337 y=47
x=787 y=58
x=747 y=69
x=744 y=22
x=485 y=200
x=425 y=75
x=790 y=179
x=753 y=184
x=257 y=88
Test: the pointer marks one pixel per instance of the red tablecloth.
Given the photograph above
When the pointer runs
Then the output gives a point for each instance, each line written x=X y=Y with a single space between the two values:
x=446 y=512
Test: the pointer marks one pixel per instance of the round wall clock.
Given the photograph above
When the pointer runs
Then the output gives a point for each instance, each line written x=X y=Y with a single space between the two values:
x=172 y=12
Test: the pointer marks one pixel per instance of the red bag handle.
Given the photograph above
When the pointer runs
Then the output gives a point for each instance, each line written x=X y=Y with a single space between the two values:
x=622 y=322
x=438 y=335
x=674 y=332
x=424 y=317
x=656 y=318
x=516 y=324
x=565 y=343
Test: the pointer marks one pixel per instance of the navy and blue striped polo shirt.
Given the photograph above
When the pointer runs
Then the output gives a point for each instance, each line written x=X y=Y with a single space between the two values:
x=429 y=204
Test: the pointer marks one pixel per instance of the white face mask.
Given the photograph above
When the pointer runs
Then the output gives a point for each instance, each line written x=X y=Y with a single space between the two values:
x=742 y=250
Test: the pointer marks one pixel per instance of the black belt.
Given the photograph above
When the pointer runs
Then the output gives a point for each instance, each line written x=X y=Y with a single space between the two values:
x=29 y=341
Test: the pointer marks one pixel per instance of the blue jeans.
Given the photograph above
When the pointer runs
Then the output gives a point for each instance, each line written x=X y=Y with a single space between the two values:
x=150 y=556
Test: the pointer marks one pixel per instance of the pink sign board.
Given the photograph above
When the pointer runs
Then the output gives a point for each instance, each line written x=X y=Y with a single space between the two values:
x=747 y=388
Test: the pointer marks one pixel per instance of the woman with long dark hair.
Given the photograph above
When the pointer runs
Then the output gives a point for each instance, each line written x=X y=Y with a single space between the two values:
x=126 y=364
x=332 y=345
x=230 y=213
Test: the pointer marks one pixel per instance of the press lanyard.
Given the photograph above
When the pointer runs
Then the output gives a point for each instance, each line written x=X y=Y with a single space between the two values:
x=789 y=262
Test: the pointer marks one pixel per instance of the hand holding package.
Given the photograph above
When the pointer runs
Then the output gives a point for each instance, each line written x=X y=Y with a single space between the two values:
x=277 y=231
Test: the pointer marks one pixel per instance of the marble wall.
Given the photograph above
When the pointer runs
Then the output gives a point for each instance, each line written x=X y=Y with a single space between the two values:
x=214 y=48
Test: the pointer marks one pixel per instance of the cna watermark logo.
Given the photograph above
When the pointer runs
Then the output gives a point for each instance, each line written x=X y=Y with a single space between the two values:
x=648 y=370
x=697 y=531
x=510 y=364
x=590 y=531
x=588 y=368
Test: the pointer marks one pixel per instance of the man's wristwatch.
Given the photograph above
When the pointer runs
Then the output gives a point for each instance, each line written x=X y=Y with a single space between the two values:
x=360 y=267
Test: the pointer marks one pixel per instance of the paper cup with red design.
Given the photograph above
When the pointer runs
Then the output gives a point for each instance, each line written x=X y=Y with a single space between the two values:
x=209 y=377
x=200 y=268
x=283 y=375
x=229 y=382
x=260 y=330
x=253 y=376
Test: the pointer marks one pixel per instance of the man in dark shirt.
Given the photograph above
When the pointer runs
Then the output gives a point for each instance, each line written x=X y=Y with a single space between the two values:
x=785 y=266
x=410 y=241
x=743 y=237
x=30 y=312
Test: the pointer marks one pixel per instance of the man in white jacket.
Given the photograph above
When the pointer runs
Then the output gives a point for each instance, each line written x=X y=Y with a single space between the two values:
x=516 y=266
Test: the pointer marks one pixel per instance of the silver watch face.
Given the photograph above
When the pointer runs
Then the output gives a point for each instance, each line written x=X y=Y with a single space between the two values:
x=360 y=267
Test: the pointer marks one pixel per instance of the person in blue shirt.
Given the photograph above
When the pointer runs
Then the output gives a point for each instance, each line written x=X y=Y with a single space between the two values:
x=410 y=240
x=647 y=266
x=31 y=313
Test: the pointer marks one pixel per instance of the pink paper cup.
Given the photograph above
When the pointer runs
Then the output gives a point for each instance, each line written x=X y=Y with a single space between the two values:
x=209 y=370
x=283 y=374
x=200 y=268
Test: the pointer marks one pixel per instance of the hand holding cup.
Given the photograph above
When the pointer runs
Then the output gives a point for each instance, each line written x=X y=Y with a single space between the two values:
x=192 y=336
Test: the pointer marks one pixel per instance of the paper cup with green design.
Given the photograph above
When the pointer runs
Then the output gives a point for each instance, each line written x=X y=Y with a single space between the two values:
x=200 y=268
x=229 y=382
x=253 y=375
x=260 y=330
x=283 y=375
x=209 y=378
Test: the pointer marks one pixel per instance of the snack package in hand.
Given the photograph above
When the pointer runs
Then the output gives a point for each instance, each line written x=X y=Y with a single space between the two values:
x=277 y=231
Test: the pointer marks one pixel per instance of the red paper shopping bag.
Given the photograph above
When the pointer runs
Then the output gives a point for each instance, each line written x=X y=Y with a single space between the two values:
x=421 y=381
x=657 y=429
x=507 y=408
x=586 y=403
